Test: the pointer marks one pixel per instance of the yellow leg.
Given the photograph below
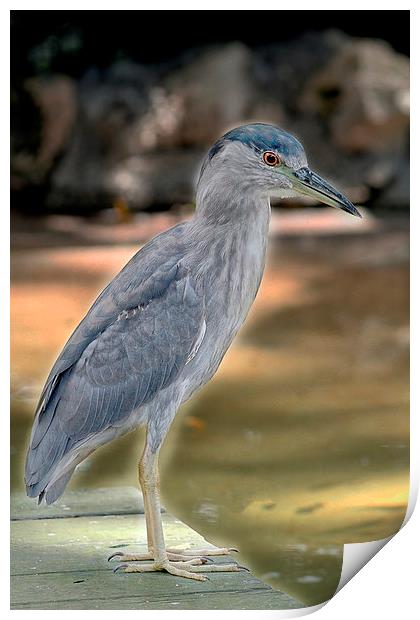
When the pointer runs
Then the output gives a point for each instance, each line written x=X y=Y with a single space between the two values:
x=173 y=554
x=162 y=560
x=146 y=510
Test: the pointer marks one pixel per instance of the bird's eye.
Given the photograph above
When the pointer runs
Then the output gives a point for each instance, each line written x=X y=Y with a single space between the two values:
x=271 y=159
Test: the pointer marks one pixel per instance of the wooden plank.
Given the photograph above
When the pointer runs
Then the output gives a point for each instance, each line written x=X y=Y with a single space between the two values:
x=90 y=584
x=61 y=563
x=255 y=599
x=88 y=502
x=57 y=545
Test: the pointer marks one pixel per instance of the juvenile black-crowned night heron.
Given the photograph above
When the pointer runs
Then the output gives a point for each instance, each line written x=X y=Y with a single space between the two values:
x=159 y=330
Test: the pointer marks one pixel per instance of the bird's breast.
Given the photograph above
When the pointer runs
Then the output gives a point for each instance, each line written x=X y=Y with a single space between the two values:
x=238 y=284
x=234 y=265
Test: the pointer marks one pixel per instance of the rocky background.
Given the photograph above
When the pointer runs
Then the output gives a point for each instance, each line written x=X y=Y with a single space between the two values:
x=132 y=134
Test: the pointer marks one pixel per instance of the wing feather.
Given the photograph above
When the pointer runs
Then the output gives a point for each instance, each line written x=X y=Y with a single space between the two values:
x=135 y=341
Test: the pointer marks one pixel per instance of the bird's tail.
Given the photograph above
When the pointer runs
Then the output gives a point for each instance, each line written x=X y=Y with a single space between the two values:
x=51 y=485
x=51 y=457
x=55 y=490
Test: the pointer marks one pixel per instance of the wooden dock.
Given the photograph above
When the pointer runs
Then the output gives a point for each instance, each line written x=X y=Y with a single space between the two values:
x=59 y=560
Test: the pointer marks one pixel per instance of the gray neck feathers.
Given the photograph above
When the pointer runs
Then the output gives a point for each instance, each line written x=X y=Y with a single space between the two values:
x=230 y=230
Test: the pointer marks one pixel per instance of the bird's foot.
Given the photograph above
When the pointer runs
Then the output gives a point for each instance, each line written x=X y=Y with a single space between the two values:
x=174 y=554
x=189 y=569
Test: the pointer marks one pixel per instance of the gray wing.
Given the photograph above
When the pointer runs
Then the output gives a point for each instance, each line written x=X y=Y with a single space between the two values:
x=146 y=276
x=134 y=341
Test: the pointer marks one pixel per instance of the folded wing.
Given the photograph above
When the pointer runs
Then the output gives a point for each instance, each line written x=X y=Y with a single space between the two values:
x=134 y=342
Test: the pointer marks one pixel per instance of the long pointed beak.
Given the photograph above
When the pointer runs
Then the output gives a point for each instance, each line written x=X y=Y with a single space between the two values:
x=309 y=183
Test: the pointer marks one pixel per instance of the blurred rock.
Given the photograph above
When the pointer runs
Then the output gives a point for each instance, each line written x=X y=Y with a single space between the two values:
x=56 y=99
x=284 y=70
x=395 y=192
x=46 y=110
x=363 y=92
x=216 y=90
x=158 y=179
x=143 y=138
x=347 y=100
x=111 y=104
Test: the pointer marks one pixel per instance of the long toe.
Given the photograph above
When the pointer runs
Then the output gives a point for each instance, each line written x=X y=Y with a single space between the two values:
x=179 y=557
x=131 y=557
x=190 y=562
x=217 y=568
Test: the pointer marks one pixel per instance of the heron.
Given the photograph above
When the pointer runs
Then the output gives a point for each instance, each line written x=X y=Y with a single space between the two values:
x=158 y=332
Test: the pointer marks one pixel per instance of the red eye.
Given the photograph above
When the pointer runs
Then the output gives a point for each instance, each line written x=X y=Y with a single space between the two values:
x=271 y=159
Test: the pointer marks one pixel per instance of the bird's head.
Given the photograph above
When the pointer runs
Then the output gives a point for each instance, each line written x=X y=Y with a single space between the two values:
x=271 y=161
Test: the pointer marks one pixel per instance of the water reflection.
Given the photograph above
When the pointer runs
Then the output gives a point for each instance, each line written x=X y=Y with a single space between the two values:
x=300 y=443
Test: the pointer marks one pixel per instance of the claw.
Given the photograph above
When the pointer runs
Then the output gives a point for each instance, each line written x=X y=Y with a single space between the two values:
x=233 y=549
x=206 y=559
x=117 y=568
x=244 y=567
x=117 y=553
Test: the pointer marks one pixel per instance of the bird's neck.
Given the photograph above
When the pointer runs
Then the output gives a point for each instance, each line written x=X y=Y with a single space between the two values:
x=230 y=233
x=222 y=201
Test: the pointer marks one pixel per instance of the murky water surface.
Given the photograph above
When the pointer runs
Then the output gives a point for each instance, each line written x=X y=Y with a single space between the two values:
x=300 y=442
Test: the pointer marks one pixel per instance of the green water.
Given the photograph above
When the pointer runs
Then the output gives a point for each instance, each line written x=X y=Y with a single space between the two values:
x=300 y=442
